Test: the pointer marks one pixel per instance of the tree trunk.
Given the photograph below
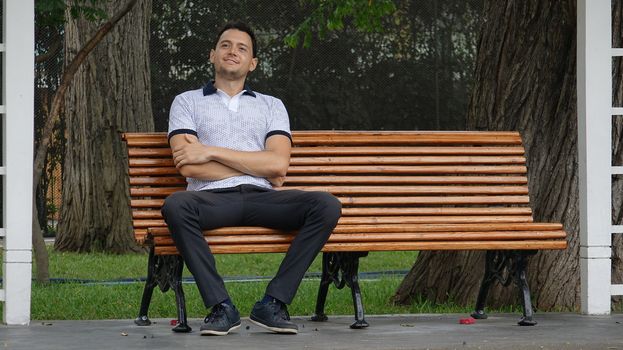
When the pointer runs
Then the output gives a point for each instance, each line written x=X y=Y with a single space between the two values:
x=111 y=94
x=38 y=245
x=525 y=80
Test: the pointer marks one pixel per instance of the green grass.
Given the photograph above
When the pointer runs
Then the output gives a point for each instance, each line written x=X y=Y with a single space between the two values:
x=57 y=301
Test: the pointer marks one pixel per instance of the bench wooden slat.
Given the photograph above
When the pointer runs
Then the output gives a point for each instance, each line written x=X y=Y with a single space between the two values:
x=433 y=200
x=153 y=171
x=408 y=170
x=415 y=190
x=442 y=211
x=158 y=181
x=513 y=214
x=332 y=137
x=389 y=201
x=405 y=138
x=356 y=180
x=402 y=151
x=385 y=246
x=146 y=203
x=458 y=245
x=321 y=135
x=140 y=235
x=407 y=160
x=154 y=219
x=142 y=152
x=150 y=162
x=386 y=237
x=369 y=190
x=405 y=180
x=365 y=160
x=385 y=228
x=359 y=169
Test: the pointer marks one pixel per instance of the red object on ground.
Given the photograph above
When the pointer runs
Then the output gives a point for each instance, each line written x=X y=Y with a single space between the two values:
x=469 y=320
x=173 y=322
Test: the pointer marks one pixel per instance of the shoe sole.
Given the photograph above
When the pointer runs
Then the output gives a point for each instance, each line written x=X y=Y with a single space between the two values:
x=215 y=332
x=275 y=329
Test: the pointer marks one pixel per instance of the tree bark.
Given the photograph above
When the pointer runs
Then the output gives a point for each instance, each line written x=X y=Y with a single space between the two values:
x=525 y=80
x=111 y=94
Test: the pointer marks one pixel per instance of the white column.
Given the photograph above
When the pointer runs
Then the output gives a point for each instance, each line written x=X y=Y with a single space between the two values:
x=17 y=148
x=594 y=92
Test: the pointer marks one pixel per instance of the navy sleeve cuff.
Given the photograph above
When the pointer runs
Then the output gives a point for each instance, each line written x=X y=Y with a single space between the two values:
x=278 y=132
x=181 y=131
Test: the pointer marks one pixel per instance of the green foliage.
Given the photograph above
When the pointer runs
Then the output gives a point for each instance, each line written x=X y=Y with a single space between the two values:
x=105 y=267
x=72 y=300
x=77 y=301
x=332 y=15
x=52 y=12
x=414 y=75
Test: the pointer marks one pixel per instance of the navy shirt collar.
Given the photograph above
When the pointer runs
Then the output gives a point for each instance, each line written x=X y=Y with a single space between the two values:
x=209 y=89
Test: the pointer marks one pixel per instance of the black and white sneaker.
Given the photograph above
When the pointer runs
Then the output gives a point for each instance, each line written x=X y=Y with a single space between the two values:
x=222 y=320
x=274 y=317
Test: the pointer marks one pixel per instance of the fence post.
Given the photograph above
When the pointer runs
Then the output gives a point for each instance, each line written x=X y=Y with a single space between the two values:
x=17 y=157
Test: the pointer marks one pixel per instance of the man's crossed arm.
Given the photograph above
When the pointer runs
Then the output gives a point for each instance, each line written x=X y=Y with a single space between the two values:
x=196 y=160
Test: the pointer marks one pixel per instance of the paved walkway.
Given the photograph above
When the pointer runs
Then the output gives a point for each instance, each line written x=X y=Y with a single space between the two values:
x=554 y=331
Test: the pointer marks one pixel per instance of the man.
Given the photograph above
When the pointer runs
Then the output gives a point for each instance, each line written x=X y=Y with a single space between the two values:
x=233 y=145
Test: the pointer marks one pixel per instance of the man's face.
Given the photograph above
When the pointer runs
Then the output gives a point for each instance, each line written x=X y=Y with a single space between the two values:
x=233 y=55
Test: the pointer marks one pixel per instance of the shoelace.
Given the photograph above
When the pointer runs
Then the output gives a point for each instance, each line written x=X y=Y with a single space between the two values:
x=217 y=310
x=282 y=311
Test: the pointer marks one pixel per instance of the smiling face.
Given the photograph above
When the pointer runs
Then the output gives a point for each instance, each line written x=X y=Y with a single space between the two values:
x=233 y=55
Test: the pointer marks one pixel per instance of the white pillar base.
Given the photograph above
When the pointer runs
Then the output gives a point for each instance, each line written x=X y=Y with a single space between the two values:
x=595 y=285
x=17 y=264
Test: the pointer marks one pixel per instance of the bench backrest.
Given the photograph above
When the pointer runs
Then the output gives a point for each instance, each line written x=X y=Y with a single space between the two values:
x=392 y=180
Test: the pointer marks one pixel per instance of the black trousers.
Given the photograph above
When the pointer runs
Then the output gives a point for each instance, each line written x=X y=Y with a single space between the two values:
x=187 y=213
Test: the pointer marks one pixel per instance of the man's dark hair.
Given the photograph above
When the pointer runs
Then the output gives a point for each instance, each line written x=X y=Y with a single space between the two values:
x=243 y=27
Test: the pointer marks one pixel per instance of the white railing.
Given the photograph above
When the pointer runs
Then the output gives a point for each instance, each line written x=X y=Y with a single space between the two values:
x=595 y=113
x=17 y=128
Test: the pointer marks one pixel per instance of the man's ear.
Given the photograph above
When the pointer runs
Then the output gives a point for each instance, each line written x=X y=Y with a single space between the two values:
x=212 y=55
x=253 y=64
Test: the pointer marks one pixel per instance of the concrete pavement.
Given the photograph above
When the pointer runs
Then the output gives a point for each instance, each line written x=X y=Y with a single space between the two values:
x=443 y=331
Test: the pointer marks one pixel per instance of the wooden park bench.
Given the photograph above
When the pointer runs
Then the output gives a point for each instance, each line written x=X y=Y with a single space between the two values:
x=400 y=190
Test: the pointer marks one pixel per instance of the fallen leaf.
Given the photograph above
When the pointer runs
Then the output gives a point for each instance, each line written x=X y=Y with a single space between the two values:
x=469 y=320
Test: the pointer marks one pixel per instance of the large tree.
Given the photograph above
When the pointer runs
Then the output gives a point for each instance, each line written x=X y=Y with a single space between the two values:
x=111 y=94
x=52 y=83
x=525 y=80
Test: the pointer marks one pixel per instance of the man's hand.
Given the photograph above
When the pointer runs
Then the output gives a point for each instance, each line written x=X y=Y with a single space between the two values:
x=189 y=153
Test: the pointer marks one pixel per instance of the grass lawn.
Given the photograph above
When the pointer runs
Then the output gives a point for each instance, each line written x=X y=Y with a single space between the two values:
x=71 y=300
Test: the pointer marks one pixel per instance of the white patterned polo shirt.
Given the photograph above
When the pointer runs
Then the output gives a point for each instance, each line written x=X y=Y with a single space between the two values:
x=241 y=123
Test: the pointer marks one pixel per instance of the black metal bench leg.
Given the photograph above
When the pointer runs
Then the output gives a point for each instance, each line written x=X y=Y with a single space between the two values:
x=524 y=290
x=341 y=269
x=323 y=290
x=148 y=291
x=176 y=284
x=485 y=285
x=360 y=321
